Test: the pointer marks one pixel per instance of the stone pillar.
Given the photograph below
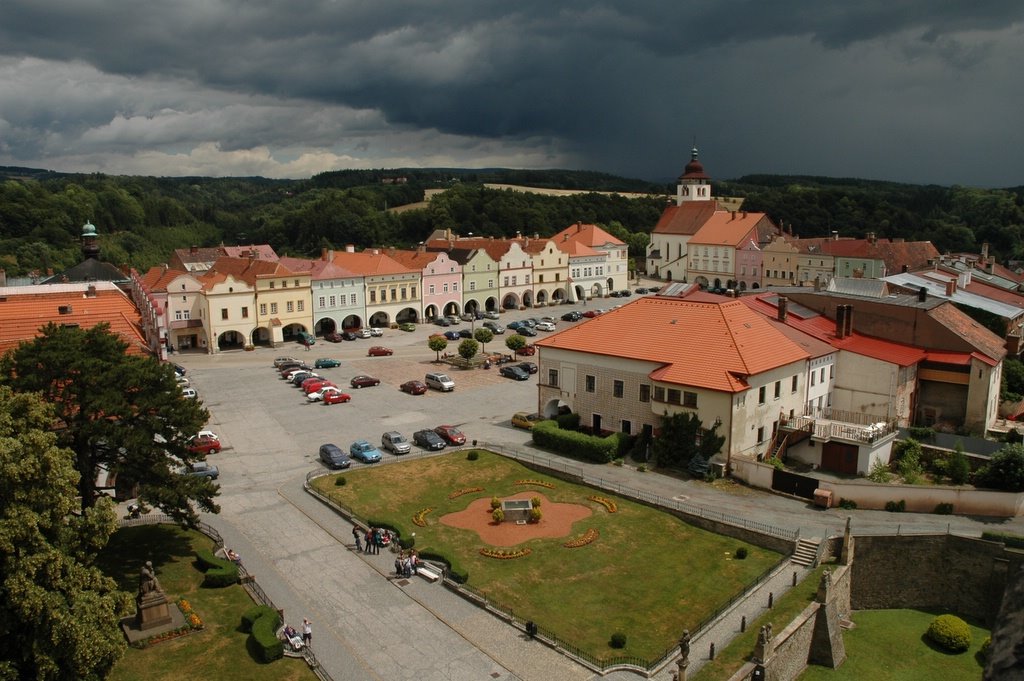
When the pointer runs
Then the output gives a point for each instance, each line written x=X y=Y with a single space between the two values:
x=764 y=648
x=846 y=555
x=827 y=646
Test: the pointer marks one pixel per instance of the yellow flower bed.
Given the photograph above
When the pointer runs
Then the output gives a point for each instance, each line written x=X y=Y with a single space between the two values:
x=539 y=483
x=582 y=540
x=607 y=503
x=504 y=554
x=421 y=517
x=468 y=490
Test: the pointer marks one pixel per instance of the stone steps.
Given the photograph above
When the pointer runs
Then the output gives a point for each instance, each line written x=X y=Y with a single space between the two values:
x=806 y=551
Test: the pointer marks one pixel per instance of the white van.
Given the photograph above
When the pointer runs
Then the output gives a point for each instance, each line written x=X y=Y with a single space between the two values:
x=439 y=382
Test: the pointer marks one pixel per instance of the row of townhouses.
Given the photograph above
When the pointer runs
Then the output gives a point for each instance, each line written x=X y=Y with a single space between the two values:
x=213 y=298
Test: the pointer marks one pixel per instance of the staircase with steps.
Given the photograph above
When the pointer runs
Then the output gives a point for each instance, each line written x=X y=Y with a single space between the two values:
x=806 y=551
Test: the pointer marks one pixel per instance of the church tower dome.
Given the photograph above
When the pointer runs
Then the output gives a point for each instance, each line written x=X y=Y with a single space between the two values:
x=694 y=183
x=90 y=244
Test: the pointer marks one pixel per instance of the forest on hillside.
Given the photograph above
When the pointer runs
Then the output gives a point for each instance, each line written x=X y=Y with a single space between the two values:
x=140 y=220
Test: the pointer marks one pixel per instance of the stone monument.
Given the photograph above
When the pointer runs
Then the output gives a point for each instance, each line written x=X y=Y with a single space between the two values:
x=684 y=655
x=151 y=601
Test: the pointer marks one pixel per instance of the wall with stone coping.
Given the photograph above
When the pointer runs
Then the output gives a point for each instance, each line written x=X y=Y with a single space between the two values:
x=793 y=646
x=924 y=498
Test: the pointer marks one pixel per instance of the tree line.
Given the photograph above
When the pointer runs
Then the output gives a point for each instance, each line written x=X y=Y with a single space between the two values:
x=140 y=220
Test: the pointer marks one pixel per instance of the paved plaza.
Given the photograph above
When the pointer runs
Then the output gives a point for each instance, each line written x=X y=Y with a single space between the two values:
x=368 y=625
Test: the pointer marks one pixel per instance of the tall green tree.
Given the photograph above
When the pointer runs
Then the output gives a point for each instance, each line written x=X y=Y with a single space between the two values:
x=116 y=412
x=58 y=613
x=438 y=345
x=515 y=342
x=468 y=348
x=483 y=336
x=682 y=437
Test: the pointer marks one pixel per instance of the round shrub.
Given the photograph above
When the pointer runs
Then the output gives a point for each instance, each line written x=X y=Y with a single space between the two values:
x=618 y=640
x=535 y=515
x=985 y=646
x=951 y=633
x=535 y=502
x=495 y=502
x=741 y=553
x=473 y=456
x=340 y=481
x=498 y=515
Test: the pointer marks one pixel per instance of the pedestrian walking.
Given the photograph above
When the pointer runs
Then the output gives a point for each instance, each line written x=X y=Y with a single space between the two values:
x=355 y=535
x=307 y=631
x=368 y=536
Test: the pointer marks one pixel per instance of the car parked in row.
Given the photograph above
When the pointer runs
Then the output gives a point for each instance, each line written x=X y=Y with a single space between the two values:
x=413 y=387
x=201 y=469
x=395 y=442
x=526 y=331
x=407 y=326
x=349 y=336
x=364 y=381
x=451 y=335
x=333 y=337
x=379 y=351
x=528 y=367
x=283 y=360
x=333 y=457
x=527 y=351
x=428 y=439
x=376 y=332
x=203 y=444
x=326 y=363
x=496 y=328
x=301 y=376
x=335 y=396
x=514 y=372
x=451 y=434
x=545 y=326
x=572 y=316
x=361 y=450
x=190 y=393
x=364 y=333
x=491 y=314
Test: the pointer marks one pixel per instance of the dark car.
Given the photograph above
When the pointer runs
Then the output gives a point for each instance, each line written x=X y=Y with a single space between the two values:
x=413 y=387
x=289 y=367
x=625 y=293
x=326 y=363
x=465 y=333
x=573 y=316
x=350 y=336
x=201 y=469
x=428 y=439
x=363 y=381
x=640 y=289
x=528 y=367
x=441 y=321
x=451 y=335
x=333 y=337
x=526 y=331
x=333 y=457
x=178 y=369
x=514 y=372
x=451 y=435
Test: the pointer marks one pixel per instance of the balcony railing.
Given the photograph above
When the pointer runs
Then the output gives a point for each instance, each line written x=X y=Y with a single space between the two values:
x=824 y=428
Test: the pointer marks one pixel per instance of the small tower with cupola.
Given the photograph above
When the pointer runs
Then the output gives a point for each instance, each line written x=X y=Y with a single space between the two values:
x=90 y=242
x=694 y=183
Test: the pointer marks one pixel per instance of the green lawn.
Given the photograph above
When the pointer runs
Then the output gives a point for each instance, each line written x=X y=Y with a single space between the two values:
x=890 y=644
x=218 y=651
x=649 y=575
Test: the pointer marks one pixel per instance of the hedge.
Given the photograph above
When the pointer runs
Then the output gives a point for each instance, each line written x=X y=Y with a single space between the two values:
x=577 y=445
x=950 y=633
x=262 y=622
x=218 y=572
x=254 y=613
x=569 y=421
x=1014 y=541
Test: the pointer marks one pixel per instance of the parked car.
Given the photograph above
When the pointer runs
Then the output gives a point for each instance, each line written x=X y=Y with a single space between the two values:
x=515 y=326
x=614 y=294
x=379 y=351
x=527 y=351
x=333 y=337
x=549 y=319
x=284 y=360
x=203 y=445
x=465 y=333
x=349 y=336
x=289 y=367
x=514 y=372
x=395 y=442
x=526 y=331
x=641 y=290
x=428 y=439
x=451 y=335
x=407 y=326
x=442 y=321
x=532 y=322
x=451 y=434
x=524 y=419
x=328 y=394
x=361 y=450
x=413 y=387
x=326 y=363
x=201 y=469
x=545 y=326
x=316 y=386
x=491 y=314
x=178 y=369
x=312 y=380
x=496 y=328
x=625 y=293
x=182 y=381
x=364 y=381
x=332 y=455
x=439 y=381
x=467 y=316
x=190 y=393
x=374 y=331
x=528 y=367
x=590 y=314
x=335 y=396
x=299 y=377
x=573 y=316
x=305 y=338
x=365 y=333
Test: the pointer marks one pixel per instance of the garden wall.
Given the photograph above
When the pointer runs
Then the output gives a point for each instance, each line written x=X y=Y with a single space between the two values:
x=924 y=498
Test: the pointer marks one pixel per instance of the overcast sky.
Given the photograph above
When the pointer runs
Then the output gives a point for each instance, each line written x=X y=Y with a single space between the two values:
x=908 y=90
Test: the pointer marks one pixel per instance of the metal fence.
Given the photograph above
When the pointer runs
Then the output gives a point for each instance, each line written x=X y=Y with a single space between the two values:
x=248 y=580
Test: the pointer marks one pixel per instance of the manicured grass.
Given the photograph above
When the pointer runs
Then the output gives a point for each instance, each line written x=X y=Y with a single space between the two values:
x=218 y=651
x=890 y=644
x=649 y=575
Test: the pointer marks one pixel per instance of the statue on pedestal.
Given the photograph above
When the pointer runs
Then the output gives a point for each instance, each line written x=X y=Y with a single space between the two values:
x=684 y=655
x=151 y=600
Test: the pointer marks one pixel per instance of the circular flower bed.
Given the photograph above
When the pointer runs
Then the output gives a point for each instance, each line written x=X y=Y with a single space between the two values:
x=607 y=503
x=582 y=540
x=505 y=554
x=467 y=490
x=539 y=483
x=421 y=517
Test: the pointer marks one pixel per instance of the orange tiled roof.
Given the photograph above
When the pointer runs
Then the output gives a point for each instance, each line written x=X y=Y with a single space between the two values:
x=971 y=331
x=369 y=263
x=729 y=228
x=261 y=251
x=318 y=269
x=713 y=345
x=157 y=278
x=686 y=218
x=413 y=260
x=244 y=269
x=588 y=235
x=25 y=309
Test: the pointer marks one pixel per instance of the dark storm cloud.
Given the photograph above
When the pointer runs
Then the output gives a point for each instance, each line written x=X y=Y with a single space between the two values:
x=619 y=86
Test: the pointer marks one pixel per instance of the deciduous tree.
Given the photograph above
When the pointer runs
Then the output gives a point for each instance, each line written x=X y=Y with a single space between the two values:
x=468 y=348
x=515 y=342
x=438 y=345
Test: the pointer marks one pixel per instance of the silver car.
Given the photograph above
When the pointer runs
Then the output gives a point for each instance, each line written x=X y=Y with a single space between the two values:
x=395 y=442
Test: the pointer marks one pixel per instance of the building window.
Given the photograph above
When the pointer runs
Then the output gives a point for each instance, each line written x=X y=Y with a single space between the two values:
x=591 y=383
x=223 y=313
x=352 y=299
x=245 y=313
x=263 y=309
x=446 y=287
x=760 y=434
x=659 y=394
x=645 y=393
x=186 y=313
x=618 y=388
x=184 y=299
x=778 y=389
x=394 y=293
x=515 y=279
x=796 y=381
x=299 y=306
x=627 y=427
x=490 y=283
x=373 y=295
x=822 y=374
x=675 y=396
x=553 y=378
x=405 y=292
x=831 y=370
x=296 y=282
x=690 y=400
x=273 y=308
x=455 y=287
x=506 y=280
x=271 y=284
x=289 y=306
x=177 y=315
x=761 y=392
x=472 y=286
x=322 y=301
x=412 y=292
x=814 y=375
x=430 y=290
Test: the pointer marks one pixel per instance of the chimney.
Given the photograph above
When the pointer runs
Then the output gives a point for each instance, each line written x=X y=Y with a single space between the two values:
x=90 y=291
x=871 y=238
x=323 y=254
x=989 y=267
x=922 y=294
x=783 y=305
x=376 y=251
x=193 y=249
x=579 y=225
x=841 y=321
x=744 y=215
x=950 y=287
x=817 y=282
x=733 y=215
x=849 y=321
x=835 y=236
x=350 y=248
x=984 y=251
x=330 y=255
x=565 y=237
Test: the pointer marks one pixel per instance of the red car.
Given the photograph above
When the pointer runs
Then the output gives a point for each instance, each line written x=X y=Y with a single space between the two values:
x=337 y=397
x=363 y=381
x=451 y=435
x=204 y=445
x=379 y=351
x=590 y=314
x=527 y=350
x=316 y=386
x=413 y=387
x=333 y=337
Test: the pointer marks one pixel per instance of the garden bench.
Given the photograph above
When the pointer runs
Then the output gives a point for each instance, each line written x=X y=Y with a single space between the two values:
x=428 y=572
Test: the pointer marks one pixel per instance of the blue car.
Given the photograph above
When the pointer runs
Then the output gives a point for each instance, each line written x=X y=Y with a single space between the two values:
x=451 y=335
x=362 y=450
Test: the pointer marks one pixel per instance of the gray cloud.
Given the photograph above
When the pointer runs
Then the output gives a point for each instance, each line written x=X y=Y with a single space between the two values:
x=890 y=90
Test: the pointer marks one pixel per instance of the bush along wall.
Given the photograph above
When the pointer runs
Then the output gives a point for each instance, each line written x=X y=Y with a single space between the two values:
x=547 y=434
x=262 y=622
x=217 y=572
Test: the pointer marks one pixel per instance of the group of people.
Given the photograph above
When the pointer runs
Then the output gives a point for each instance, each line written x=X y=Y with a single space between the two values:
x=298 y=643
x=406 y=563
x=372 y=539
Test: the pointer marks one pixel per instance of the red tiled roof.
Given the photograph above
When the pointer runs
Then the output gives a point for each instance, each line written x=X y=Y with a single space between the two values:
x=244 y=269
x=318 y=269
x=714 y=345
x=25 y=309
x=976 y=335
x=496 y=248
x=589 y=235
x=262 y=251
x=729 y=228
x=686 y=218
x=368 y=263
x=157 y=278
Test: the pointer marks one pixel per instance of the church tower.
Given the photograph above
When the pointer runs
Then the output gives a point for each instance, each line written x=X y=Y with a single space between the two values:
x=694 y=184
x=90 y=244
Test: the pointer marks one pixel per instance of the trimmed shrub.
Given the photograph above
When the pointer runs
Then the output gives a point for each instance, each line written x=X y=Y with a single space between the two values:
x=217 y=572
x=1014 y=541
x=618 y=640
x=253 y=614
x=896 y=506
x=984 y=650
x=958 y=468
x=264 y=634
x=624 y=442
x=340 y=481
x=406 y=543
x=498 y=515
x=741 y=553
x=535 y=502
x=921 y=434
x=642 y=468
x=495 y=503
x=880 y=473
x=577 y=445
x=568 y=421
x=951 y=633
x=473 y=456
x=458 y=576
x=944 y=509
x=847 y=503
x=618 y=462
x=535 y=515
